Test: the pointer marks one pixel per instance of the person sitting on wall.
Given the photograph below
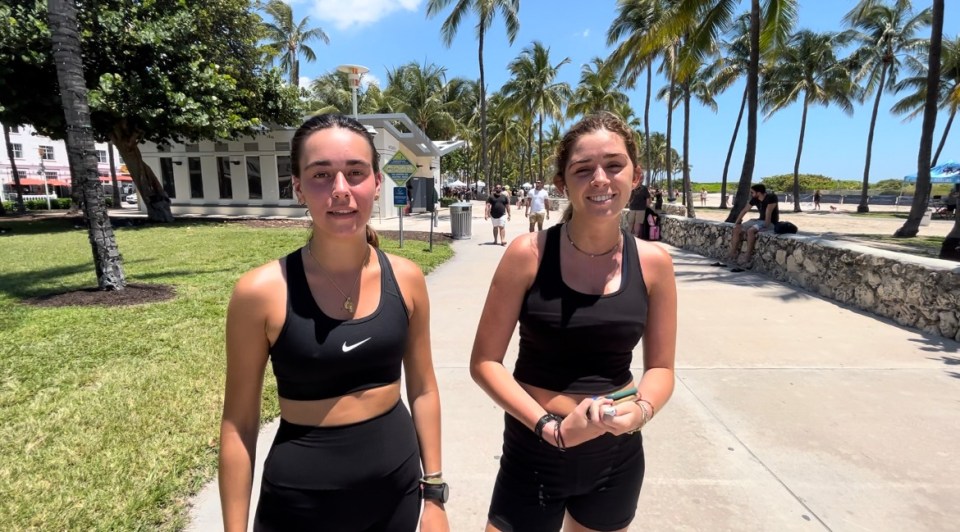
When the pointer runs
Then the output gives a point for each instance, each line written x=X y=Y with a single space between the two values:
x=768 y=205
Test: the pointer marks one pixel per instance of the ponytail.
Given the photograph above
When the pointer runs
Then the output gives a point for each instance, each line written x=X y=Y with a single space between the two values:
x=372 y=237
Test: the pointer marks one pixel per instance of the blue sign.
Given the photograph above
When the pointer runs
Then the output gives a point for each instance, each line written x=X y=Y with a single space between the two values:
x=399 y=196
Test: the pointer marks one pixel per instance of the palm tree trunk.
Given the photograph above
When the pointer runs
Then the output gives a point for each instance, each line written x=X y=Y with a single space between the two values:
x=294 y=67
x=921 y=196
x=686 y=153
x=484 y=170
x=753 y=84
x=863 y=207
x=20 y=208
x=733 y=142
x=646 y=120
x=669 y=161
x=65 y=37
x=943 y=138
x=540 y=146
x=796 y=164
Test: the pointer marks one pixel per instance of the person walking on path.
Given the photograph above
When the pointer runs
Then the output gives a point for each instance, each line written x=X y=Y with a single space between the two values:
x=585 y=293
x=639 y=201
x=816 y=199
x=498 y=206
x=538 y=206
x=703 y=197
x=338 y=318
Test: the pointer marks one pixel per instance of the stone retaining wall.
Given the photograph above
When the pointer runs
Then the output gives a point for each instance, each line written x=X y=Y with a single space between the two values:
x=913 y=291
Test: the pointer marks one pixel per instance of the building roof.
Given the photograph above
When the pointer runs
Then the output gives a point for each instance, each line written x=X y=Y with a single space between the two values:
x=414 y=138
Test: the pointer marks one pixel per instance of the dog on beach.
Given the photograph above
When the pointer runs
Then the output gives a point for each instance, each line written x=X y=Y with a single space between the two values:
x=833 y=208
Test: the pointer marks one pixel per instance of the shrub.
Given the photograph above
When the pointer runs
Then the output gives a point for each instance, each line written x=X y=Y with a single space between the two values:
x=446 y=201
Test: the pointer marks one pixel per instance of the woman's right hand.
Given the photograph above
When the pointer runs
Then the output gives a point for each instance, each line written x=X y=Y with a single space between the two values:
x=583 y=423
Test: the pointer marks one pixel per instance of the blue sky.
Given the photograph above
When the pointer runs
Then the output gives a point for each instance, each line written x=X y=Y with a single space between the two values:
x=383 y=34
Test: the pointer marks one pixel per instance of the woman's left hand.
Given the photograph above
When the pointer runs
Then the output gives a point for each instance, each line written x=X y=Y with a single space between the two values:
x=629 y=417
x=434 y=518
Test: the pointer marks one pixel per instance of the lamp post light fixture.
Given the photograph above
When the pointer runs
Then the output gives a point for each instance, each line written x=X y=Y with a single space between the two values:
x=353 y=75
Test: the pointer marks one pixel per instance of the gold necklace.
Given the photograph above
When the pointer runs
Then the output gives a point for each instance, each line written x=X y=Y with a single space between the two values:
x=587 y=253
x=347 y=300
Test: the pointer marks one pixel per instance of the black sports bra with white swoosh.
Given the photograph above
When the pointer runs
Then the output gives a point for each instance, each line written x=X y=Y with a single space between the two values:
x=319 y=357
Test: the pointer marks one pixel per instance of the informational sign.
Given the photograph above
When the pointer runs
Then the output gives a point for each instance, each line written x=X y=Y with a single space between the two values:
x=399 y=196
x=400 y=168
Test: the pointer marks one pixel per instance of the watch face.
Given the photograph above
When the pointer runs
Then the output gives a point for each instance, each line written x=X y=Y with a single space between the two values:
x=435 y=492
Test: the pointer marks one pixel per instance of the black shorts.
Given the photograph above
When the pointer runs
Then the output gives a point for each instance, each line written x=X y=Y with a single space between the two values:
x=363 y=476
x=598 y=482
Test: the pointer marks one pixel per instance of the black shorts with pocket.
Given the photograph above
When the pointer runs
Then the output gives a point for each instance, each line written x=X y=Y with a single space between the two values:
x=598 y=482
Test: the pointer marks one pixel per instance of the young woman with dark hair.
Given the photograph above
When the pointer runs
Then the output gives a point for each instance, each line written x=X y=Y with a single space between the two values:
x=337 y=318
x=585 y=293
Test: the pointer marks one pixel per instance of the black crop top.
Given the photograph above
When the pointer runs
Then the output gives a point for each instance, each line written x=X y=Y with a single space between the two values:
x=318 y=357
x=572 y=342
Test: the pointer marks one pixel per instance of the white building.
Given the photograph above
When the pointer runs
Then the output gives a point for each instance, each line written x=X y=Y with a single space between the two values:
x=252 y=176
x=38 y=157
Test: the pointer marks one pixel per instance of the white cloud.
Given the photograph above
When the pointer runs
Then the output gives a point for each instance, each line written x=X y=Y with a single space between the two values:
x=305 y=82
x=359 y=12
x=369 y=79
x=586 y=32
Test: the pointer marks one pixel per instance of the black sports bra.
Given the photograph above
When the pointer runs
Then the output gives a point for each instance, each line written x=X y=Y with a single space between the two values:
x=572 y=342
x=319 y=357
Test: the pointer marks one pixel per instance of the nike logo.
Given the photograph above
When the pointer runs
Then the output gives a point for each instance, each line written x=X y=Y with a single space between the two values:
x=348 y=348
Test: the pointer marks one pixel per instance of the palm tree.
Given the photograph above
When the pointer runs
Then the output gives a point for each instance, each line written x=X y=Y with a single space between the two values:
x=807 y=66
x=288 y=39
x=547 y=94
x=20 y=208
x=913 y=103
x=635 y=21
x=65 y=37
x=695 y=85
x=597 y=90
x=885 y=29
x=950 y=248
x=734 y=63
x=419 y=91
x=486 y=11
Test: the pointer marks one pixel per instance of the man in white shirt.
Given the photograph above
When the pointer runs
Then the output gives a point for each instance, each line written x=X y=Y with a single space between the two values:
x=538 y=206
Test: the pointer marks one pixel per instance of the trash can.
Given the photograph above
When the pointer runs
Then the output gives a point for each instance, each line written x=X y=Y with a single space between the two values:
x=925 y=220
x=461 y=216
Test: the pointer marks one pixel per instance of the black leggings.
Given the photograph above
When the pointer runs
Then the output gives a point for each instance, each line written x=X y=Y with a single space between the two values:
x=363 y=476
x=597 y=482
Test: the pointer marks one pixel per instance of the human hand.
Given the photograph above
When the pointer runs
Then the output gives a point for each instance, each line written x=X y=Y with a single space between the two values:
x=626 y=417
x=434 y=518
x=583 y=424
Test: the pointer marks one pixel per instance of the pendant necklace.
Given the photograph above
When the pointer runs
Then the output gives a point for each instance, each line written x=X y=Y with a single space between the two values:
x=593 y=255
x=348 y=304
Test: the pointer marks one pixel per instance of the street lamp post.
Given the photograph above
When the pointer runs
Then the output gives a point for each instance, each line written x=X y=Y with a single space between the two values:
x=353 y=75
x=43 y=174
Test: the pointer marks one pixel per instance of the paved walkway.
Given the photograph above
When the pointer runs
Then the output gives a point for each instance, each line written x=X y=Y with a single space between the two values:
x=790 y=412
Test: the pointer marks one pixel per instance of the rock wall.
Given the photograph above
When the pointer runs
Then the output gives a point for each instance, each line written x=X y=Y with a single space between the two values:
x=913 y=291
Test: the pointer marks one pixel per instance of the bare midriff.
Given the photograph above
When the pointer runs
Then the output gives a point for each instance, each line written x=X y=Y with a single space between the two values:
x=557 y=402
x=343 y=410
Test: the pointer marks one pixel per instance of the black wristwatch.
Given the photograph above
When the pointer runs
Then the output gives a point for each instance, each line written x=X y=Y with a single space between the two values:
x=434 y=489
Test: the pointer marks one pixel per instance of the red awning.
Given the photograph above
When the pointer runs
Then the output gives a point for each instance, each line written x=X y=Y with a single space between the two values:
x=58 y=183
x=28 y=181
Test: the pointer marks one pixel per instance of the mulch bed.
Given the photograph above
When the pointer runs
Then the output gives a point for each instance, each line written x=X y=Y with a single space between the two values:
x=133 y=294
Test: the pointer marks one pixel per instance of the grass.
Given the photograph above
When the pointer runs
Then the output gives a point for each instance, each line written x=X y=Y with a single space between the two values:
x=109 y=417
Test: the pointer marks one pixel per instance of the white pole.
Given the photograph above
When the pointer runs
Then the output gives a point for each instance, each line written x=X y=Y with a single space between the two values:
x=354 y=91
x=43 y=172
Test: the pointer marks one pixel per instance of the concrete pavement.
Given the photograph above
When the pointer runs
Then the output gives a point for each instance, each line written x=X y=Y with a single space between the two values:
x=790 y=411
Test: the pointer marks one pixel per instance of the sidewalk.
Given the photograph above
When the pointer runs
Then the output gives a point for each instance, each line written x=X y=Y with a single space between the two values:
x=790 y=411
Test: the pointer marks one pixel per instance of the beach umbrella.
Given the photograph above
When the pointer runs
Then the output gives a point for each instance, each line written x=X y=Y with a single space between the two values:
x=948 y=172
x=527 y=186
x=456 y=183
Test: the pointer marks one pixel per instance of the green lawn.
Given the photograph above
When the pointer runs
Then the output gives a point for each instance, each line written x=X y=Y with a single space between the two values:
x=109 y=417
